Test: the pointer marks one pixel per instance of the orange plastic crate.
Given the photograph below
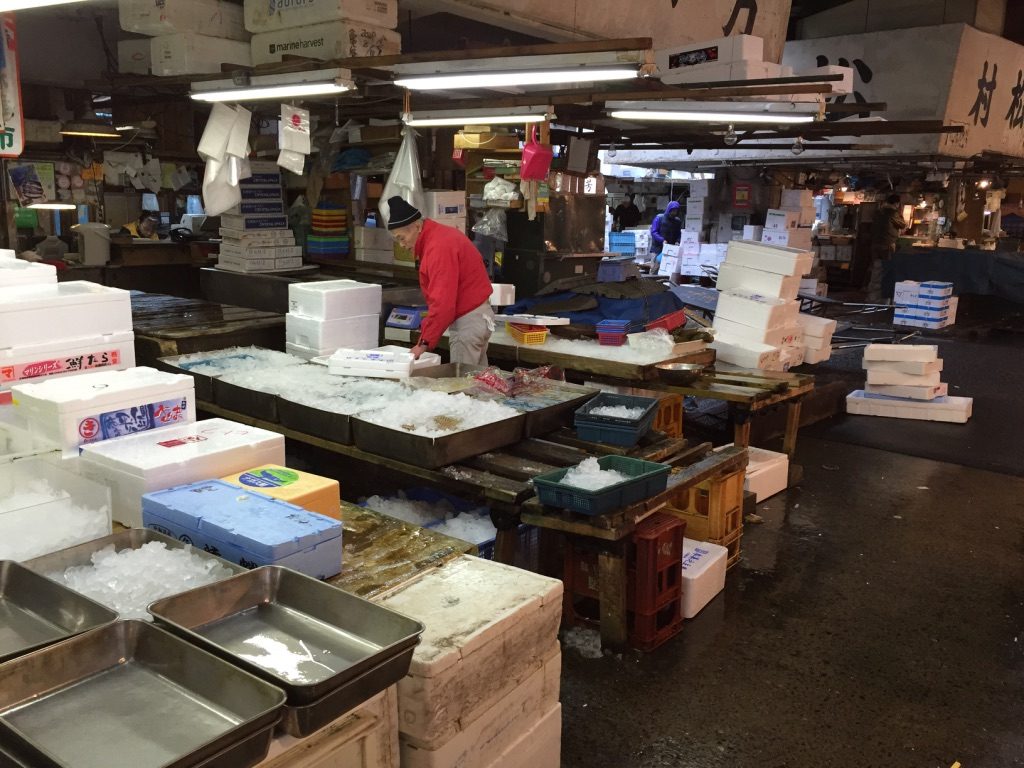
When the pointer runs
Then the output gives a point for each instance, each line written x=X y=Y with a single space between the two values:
x=527 y=334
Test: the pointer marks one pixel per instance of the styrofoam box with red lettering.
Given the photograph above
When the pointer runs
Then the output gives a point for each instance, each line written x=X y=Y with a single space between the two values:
x=112 y=352
x=35 y=314
x=187 y=453
x=789 y=335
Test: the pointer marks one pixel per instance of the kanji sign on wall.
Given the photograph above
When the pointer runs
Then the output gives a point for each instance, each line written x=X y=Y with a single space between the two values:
x=12 y=124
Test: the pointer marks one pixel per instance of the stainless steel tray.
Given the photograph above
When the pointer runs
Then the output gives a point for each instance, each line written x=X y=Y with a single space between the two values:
x=131 y=694
x=251 y=402
x=542 y=421
x=328 y=425
x=35 y=612
x=81 y=554
x=434 y=452
x=448 y=371
x=301 y=634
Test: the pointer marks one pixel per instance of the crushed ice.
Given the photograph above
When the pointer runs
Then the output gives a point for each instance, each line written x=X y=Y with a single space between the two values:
x=589 y=476
x=617 y=411
x=435 y=414
x=40 y=519
x=472 y=525
x=588 y=348
x=236 y=360
x=586 y=641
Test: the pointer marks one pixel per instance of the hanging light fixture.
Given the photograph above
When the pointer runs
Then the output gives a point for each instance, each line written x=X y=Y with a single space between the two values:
x=459 y=117
x=8 y=6
x=798 y=146
x=89 y=129
x=264 y=87
x=730 y=137
x=511 y=79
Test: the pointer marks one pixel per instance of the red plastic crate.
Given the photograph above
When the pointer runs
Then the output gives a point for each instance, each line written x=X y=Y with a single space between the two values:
x=669 y=322
x=611 y=339
x=649 y=630
x=656 y=560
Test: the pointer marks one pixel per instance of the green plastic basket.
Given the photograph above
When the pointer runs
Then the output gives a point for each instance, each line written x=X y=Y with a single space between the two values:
x=647 y=479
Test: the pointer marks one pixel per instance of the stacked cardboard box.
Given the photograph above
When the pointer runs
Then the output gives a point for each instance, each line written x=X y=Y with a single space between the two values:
x=255 y=233
x=374 y=244
x=326 y=316
x=925 y=305
x=817 y=337
x=905 y=382
x=757 y=319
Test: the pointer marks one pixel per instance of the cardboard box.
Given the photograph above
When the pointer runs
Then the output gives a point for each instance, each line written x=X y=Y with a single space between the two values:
x=373 y=238
x=795 y=199
x=134 y=56
x=464 y=140
x=188 y=53
x=337 y=39
x=213 y=18
x=274 y=15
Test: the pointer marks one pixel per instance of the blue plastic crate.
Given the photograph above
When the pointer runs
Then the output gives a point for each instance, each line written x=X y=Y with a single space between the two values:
x=647 y=479
x=617 y=270
x=615 y=430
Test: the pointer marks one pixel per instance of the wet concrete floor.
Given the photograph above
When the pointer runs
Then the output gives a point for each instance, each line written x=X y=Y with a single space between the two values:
x=875 y=621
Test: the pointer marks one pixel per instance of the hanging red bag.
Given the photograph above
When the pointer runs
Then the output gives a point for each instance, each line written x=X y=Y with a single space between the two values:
x=537 y=158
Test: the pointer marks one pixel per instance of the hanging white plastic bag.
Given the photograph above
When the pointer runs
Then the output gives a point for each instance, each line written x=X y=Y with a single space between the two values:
x=493 y=224
x=405 y=180
x=218 y=194
x=214 y=143
x=295 y=133
x=292 y=161
x=500 y=190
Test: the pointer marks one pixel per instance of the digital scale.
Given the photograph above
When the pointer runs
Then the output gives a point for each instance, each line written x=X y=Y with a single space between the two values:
x=406 y=318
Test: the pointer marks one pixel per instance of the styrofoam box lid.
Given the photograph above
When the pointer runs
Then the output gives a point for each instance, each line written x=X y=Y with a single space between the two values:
x=261 y=524
x=20 y=265
x=64 y=346
x=20 y=297
x=181 y=444
x=104 y=388
x=331 y=286
x=698 y=556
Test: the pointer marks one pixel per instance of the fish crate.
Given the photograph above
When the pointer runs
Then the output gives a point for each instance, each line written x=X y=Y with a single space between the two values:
x=529 y=335
x=732 y=544
x=669 y=322
x=611 y=339
x=655 y=563
x=615 y=430
x=622 y=242
x=647 y=631
x=713 y=509
x=669 y=417
x=646 y=479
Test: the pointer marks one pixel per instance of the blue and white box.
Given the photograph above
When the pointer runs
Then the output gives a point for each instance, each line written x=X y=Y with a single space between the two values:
x=247 y=528
x=255 y=222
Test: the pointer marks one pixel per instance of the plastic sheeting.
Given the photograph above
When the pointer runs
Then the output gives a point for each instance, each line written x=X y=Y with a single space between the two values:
x=405 y=180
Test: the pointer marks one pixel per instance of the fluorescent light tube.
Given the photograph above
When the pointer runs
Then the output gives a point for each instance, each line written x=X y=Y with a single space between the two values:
x=697 y=116
x=427 y=122
x=512 y=79
x=271 y=92
x=53 y=206
x=7 y=6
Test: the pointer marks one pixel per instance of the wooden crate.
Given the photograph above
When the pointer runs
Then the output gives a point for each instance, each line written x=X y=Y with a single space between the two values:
x=731 y=543
x=669 y=418
x=713 y=510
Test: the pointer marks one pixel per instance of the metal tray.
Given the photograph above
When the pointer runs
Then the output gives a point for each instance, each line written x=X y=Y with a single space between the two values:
x=81 y=554
x=553 y=417
x=434 y=452
x=336 y=427
x=449 y=371
x=251 y=402
x=338 y=637
x=35 y=612
x=132 y=694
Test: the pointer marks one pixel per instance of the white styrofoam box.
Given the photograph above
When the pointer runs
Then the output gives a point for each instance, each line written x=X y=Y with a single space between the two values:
x=258 y=237
x=794 y=199
x=916 y=302
x=387 y=362
x=133 y=56
x=781 y=219
x=767 y=473
x=254 y=222
x=690 y=265
x=934 y=289
x=35 y=314
x=704 y=567
x=334 y=39
x=699 y=187
x=373 y=238
x=916 y=367
x=689 y=243
x=260 y=251
x=100 y=405
x=791 y=356
x=809 y=285
x=817 y=343
x=187 y=53
x=333 y=299
x=258 y=264
x=21 y=272
x=737 y=70
x=114 y=351
x=352 y=332
x=540 y=747
x=694 y=222
x=954 y=410
x=757 y=310
x=954 y=305
x=744 y=353
x=17 y=441
x=909 y=393
x=270 y=15
x=499 y=727
x=7 y=253
x=306 y=353
x=670 y=265
x=698 y=206
x=732 y=276
x=819 y=327
x=718 y=51
x=779 y=260
x=814 y=356
x=444 y=204
x=844 y=253
x=919 y=321
x=215 y=18
x=187 y=453
x=503 y=294
x=752 y=232
x=799 y=238
x=488 y=627
x=375 y=256
x=775 y=337
x=895 y=378
x=896 y=353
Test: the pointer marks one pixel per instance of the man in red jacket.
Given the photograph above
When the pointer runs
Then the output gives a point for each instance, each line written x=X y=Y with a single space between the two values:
x=454 y=282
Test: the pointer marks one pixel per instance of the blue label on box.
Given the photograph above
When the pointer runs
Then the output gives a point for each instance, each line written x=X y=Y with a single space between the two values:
x=262 y=178
x=130 y=421
x=258 y=207
x=260 y=193
x=264 y=222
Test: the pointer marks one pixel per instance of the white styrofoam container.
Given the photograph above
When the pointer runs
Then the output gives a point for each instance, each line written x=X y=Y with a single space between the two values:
x=767 y=473
x=271 y=15
x=92 y=407
x=919 y=321
x=352 y=332
x=756 y=310
x=444 y=204
x=798 y=237
x=21 y=272
x=734 y=277
x=917 y=367
x=792 y=356
x=817 y=343
x=114 y=352
x=753 y=232
x=781 y=260
x=34 y=314
x=775 y=337
x=306 y=353
x=333 y=39
x=373 y=238
x=721 y=50
x=814 y=356
x=540 y=747
x=260 y=251
x=925 y=353
x=488 y=627
x=334 y=299
x=704 y=566
x=895 y=378
x=188 y=53
x=954 y=410
x=258 y=238
x=188 y=453
x=134 y=56
x=503 y=294
x=909 y=393
x=819 y=327
x=693 y=222
x=737 y=70
x=777 y=218
x=215 y=18
x=746 y=354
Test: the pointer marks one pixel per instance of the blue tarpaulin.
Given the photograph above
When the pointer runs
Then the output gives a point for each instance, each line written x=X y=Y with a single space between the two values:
x=638 y=311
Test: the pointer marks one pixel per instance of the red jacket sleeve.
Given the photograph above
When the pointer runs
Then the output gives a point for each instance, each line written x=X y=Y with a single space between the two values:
x=440 y=288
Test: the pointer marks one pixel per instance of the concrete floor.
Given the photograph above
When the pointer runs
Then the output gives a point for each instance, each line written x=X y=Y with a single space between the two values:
x=876 y=620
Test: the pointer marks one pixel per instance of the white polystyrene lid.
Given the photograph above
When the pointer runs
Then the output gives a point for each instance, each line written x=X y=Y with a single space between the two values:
x=328 y=286
x=20 y=265
x=172 y=446
x=103 y=387
x=73 y=292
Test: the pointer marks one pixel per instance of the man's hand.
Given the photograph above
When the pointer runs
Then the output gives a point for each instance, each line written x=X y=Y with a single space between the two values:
x=418 y=350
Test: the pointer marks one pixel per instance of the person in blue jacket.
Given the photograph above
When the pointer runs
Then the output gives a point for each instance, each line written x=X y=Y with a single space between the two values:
x=667 y=227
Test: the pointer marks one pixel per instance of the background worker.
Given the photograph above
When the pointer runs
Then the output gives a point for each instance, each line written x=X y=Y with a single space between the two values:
x=667 y=228
x=626 y=214
x=454 y=282
x=886 y=229
x=143 y=228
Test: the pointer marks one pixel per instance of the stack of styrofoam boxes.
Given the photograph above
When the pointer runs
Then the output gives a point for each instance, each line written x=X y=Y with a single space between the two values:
x=374 y=244
x=255 y=232
x=62 y=329
x=752 y=232
x=483 y=687
x=697 y=211
x=642 y=243
x=20 y=272
x=729 y=58
x=712 y=256
x=790 y=226
x=817 y=337
x=326 y=316
x=925 y=305
x=176 y=455
x=446 y=207
x=904 y=382
x=326 y=29
x=190 y=37
x=756 y=322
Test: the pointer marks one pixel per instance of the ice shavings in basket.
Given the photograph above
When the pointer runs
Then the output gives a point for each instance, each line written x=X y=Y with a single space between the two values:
x=236 y=360
x=617 y=411
x=57 y=522
x=129 y=580
x=435 y=414
x=589 y=476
